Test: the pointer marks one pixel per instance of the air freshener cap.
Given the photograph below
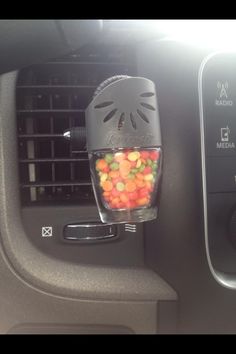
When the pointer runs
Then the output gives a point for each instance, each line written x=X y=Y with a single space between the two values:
x=124 y=114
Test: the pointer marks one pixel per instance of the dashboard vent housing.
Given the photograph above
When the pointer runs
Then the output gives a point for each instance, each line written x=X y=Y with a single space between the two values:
x=50 y=98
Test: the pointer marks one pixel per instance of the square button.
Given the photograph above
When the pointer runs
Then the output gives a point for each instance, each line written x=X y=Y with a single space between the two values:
x=221 y=174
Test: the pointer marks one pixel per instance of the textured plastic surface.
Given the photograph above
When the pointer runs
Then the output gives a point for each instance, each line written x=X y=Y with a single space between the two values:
x=25 y=42
x=178 y=235
x=124 y=114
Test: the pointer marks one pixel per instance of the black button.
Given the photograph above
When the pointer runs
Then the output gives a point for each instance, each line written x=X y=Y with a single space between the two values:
x=219 y=106
x=89 y=232
x=220 y=136
x=221 y=174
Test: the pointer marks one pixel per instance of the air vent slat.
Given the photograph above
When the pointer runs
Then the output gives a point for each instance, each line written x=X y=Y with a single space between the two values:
x=51 y=98
x=51 y=111
x=51 y=184
x=54 y=160
x=49 y=87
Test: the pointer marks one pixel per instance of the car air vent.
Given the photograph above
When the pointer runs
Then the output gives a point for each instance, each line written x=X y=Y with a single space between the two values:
x=50 y=98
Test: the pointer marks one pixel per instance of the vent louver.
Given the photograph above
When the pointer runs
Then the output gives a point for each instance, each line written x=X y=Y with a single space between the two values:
x=51 y=98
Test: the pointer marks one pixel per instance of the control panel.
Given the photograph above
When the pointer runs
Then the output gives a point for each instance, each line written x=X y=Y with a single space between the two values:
x=217 y=93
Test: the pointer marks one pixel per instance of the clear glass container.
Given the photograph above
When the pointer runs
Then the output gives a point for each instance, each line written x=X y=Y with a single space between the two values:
x=125 y=183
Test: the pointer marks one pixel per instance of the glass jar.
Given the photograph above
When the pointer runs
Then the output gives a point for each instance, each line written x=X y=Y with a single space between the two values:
x=125 y=183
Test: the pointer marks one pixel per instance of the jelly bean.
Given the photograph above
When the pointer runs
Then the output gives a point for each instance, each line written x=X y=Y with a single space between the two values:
x=109 y=158
x=149 y=162
x=119 y=156
x=147 y=170
x=114 y=174
x=133 y=156
x=143 y=192
x=120 y=186
x=139 y=183
x=140 y=176
x=107 y=186
x=132 y=204
x=133 y=164
x=124 y=198
x=154 y=166
x=115 y=201
x=103 y=177
x=154 y=155
x=106 y=169
x=124 y=168
x=139 y=163
x=144 y=154
x=149 y=177
x=133 y=195
x=141 y=168
x=114 y=166
x=130 y=186
x=116 y=180
x=101 y=164
x=143 y=161
x=131 y=176
x=115 y=192
x=142 y=201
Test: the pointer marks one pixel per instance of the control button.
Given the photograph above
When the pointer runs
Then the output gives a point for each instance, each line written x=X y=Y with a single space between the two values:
x=220 y=136
x=90 y=232
x=219 y=106
x=221 y=174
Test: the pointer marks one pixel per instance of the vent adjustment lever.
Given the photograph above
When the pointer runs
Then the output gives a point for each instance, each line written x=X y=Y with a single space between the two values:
x=90 y=232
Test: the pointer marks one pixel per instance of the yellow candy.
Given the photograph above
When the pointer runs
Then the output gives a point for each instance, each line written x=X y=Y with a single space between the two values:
x=133 y=156
x=149 y=177
x=103 y=177
x=139 y=163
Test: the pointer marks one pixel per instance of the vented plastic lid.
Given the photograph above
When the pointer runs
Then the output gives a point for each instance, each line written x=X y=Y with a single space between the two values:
x=123 y=114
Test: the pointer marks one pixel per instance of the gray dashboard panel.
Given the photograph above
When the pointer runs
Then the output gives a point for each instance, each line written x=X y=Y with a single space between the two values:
x=58 y=291
x=175 y=244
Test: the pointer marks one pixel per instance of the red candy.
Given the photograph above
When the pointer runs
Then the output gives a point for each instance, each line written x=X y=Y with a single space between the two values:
x=154 y=155
x=147 y=170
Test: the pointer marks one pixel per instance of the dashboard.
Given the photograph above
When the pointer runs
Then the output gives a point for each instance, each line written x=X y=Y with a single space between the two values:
x=174 y=274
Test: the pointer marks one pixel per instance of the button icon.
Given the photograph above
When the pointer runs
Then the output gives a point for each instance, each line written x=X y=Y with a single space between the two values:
x=46 y=231
x=223 y=87
x=223 y=94
x=130 y=227
x=225 y=142
x=224 y=133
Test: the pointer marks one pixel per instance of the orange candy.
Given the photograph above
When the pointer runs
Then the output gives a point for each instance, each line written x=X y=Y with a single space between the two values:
x=139 y=183
x=140 y=176
x=130 y=186
x=114 y=174
x=107 y=186
x=102 y=164
x=142 y=201
x=119 y=156
x=124 y=168
x=124 y=198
